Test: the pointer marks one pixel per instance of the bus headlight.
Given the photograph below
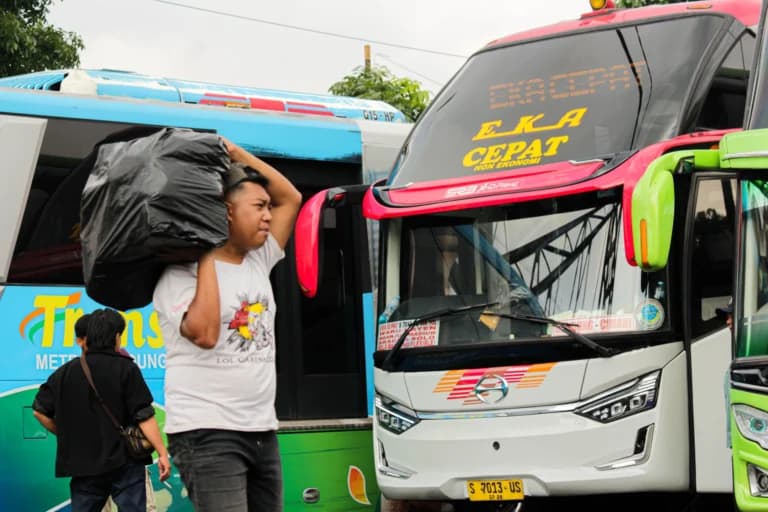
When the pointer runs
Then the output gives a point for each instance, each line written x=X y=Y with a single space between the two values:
x=629 y=398
x=752 y=423
x=393 y=416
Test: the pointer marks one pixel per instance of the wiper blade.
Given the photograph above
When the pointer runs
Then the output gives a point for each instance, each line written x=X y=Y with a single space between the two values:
x=388 y=362
x=563 y=326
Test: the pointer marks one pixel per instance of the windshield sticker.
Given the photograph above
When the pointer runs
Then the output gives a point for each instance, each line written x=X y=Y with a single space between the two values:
x=423 y=335
x=520 y=152
x=614 y=323
x=488 y=319
x=462 y=384
x=650 y=315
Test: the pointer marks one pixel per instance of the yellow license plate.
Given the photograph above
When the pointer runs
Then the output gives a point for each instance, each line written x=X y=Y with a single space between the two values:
x=494 y=490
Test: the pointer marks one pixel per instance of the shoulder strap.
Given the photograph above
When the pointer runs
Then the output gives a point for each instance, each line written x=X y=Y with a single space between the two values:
x=89 y=378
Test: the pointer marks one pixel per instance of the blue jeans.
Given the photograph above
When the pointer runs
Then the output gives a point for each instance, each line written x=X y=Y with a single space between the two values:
x=229 y=471
x=125 y=485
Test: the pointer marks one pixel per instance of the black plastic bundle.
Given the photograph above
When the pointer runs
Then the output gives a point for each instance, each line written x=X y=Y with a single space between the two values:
x=148 y=202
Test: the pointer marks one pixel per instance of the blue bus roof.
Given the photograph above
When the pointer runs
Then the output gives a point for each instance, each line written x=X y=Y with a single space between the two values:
x=103 y=82
x=265 y=133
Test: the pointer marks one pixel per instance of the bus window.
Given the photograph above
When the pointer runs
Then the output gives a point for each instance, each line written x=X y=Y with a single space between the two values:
x=752 y=339
x=712 y=248
x=572 y=97
x=48 y=246
x=724 y=104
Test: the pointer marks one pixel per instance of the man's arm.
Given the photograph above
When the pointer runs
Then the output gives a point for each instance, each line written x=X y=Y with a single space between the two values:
x=46 y=422
x=44 y=404
x=286 y=200
x=152 y=431
x=202 y=323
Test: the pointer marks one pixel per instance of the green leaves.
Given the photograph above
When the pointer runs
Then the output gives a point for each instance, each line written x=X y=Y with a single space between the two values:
x=30 y=44
x=638 y=3
x=378 y=83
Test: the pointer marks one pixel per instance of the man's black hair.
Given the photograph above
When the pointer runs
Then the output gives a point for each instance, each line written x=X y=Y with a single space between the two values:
x=81 y=326
x=103 y=327
x=239 y=174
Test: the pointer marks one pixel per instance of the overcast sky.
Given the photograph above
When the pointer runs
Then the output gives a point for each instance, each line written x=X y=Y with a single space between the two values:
x=157 y=38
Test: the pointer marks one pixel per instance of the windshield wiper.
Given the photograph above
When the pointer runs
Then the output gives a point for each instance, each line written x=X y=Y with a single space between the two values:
x=603 y=351
x=387 y=364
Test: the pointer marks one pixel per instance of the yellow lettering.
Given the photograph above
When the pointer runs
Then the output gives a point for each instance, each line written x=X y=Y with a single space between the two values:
x=512 y=149
x=553 y=143
x=49 y=303
x=494 y=154
x=70 y=317
x=155 y=341
x=135 y=323
x=487 y=130
x=525 y=125
x=533 y=150
x=572 y=118
x=469 y=158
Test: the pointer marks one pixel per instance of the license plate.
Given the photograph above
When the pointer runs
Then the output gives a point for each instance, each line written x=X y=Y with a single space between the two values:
x=494 y=490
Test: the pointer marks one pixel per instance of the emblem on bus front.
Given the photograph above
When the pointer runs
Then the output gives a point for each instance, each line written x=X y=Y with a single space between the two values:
x=491 y=389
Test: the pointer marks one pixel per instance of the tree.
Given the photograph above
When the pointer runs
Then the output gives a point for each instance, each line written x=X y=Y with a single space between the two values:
x=28 y=43
x=378 y=83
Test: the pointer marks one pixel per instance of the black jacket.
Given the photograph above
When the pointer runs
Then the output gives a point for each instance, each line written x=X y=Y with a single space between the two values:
x=88 y=443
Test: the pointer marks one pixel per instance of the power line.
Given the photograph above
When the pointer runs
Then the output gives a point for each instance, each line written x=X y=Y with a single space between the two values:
x=389 y=59
x=304 y=29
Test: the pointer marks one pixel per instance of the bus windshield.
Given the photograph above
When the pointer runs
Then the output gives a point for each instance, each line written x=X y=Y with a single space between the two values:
x=752 y=334
x=575 y=97
x=560 y=258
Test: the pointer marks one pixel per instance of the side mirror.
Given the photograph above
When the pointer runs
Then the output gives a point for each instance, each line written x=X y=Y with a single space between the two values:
x=649 y=207
x=308 y=232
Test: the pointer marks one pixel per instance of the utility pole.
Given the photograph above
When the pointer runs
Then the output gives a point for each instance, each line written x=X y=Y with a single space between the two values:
x=367 y=55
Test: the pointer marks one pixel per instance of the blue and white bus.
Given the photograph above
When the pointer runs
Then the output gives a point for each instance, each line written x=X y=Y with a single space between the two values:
x=48 y=123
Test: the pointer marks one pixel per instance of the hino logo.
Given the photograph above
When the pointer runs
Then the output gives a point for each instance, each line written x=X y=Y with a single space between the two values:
x=491 y=388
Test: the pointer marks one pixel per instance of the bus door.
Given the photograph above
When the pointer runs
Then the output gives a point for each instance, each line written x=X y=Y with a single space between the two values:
x=320 y=361
x=325 y=432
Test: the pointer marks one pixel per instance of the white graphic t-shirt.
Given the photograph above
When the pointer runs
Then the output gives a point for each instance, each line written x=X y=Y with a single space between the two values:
x=231 y=386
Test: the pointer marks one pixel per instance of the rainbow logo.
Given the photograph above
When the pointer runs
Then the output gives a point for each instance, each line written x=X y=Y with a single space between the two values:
x=38 y=317
x=460 y=384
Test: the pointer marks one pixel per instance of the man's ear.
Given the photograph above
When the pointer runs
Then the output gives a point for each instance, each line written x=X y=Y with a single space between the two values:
x=229 y=210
